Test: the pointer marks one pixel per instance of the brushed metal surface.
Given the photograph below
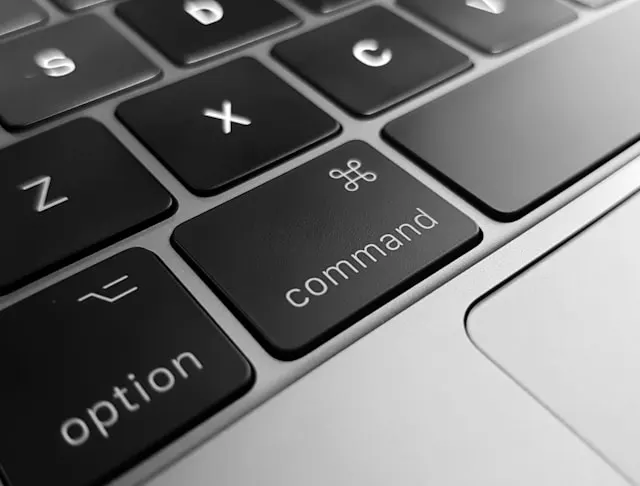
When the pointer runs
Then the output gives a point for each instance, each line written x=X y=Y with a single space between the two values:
x=415 y=403
x=567 y=330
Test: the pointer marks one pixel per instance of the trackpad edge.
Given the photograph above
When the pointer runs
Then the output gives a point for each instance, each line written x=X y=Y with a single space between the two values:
x=566 y=330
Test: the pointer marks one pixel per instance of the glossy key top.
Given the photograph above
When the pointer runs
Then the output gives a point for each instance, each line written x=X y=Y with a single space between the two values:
x=326 y=6
x=105 y=368
x=225 y=124
x=189 y=31
x=74 y=5
x=65 y=66
x=370 y=60
x=493 y=25
x=66 y=193
x=16 y=15
x=516 y=137
x=309 y=253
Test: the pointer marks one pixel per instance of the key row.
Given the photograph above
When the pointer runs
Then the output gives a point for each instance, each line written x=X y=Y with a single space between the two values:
x=16 y=11
x=222 y=131
x=366 y=62
x=297 y=260
x=318 y=6
x=71 y=64
x=195 y=30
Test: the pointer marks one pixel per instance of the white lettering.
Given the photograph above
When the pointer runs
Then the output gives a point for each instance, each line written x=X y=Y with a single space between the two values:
x=336 y=268
x=397 y=244
x=55 y=63
x=143 y=393
x=206 y=12
x=121 y=394
x=431 y=222
x=289 y=296
x=104 y=415
x=407 y=225
x=68 y=436
x=340 y=272
x=169 y=380
x=365 y=251
x=364 y=51
x=42 y=204
x=102 y=424
x=323 y=287
x=177 y=363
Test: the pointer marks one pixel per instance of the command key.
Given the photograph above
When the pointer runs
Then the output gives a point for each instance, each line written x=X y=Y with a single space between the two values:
x=308 y=254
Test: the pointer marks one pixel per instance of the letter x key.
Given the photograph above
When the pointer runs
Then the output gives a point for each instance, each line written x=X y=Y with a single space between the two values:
x=227 y=117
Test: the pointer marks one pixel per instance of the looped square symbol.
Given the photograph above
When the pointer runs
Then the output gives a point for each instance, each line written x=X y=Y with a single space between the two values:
x=353 y=175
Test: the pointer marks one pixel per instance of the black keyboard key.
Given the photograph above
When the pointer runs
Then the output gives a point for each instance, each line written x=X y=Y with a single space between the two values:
x=309 y=253
x=594 y=3
x=103 y=369
x=493 y=25
x=73 y=5
x=16 y=15
x=225 y=124
x=189 y=31
x=66 y=66
x=371 y=60
x=65 y=193
x=326 y=6
x=519 y=135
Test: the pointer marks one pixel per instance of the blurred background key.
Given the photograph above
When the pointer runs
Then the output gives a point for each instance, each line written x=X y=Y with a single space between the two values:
x=73 y=5
x=65 y=66
x=326 y=6
x=16 y=15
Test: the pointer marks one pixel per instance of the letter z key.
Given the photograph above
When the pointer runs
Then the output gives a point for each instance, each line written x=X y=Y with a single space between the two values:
x=67 y=192
x=309 y=253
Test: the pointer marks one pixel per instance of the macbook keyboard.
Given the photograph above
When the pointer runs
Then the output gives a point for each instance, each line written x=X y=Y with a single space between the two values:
x=203 y=200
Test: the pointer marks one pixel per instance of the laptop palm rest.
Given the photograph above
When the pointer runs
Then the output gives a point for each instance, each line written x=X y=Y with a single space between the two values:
x=568 y=330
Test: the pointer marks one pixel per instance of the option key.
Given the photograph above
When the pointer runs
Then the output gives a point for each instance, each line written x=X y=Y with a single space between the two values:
x=104 y=368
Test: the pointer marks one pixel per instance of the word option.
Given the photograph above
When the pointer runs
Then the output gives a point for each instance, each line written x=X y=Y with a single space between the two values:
x=105 y=414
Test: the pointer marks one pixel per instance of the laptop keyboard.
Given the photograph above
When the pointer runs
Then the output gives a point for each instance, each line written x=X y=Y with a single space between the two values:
x=90 y=60
x=329 y=281
x=128 y=357
x=552 y=151
x=133 y=379
x=218 y=115
x=490 y=25
x=178 y=28
x=370 y=60
x=16 y=15
x=48 y=184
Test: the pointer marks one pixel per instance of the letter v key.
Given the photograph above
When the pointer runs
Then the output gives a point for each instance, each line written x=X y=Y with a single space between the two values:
x=42 y=204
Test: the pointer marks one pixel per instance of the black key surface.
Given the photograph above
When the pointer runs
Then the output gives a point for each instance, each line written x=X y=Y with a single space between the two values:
x=521 y=134
x=225 y=124
x=103 y=369
x=311 y=252
x=326 y=6
x=371 y=60
x=493 y=25
x=16 y=15
x=73 y=5
x=66 y=193
x=190 y=31
x=594 y=3
x=66 y=66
